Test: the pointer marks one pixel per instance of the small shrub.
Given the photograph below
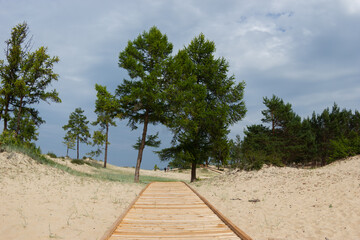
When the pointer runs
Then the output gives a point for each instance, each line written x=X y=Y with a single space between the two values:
x=78 y=161
x=156 y=167
x=53 y=155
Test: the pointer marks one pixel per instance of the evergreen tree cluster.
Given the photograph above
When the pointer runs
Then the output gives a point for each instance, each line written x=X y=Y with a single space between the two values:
x=286 y=139
x=189 y=93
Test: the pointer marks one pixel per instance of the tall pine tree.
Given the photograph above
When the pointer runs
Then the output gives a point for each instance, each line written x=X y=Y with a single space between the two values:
x=141 y=97
x=203 y=102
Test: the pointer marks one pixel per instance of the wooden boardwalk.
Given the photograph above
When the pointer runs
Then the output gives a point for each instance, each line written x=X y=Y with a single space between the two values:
x=172 y=210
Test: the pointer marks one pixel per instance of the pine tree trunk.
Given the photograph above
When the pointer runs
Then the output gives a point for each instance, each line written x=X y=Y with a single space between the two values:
x=19 y=117
x=5 y=113
x=273 y=123
x=193 y=172
x=77 y=154
x=141 y=149
x=106 y=144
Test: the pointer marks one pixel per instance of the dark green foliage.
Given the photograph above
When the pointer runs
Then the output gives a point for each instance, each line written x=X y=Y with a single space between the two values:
x=203 y=101
x=176 y=157
x=321 y=139
x=25 y=76
x=235 y=154
x=26 y=128
x=78 y=161
x=10 y=142
x=151 y=141
x=141 y=98
x=51 y=154
x=156 y=167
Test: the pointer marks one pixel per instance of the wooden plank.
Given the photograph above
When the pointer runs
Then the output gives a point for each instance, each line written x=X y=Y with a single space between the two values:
x=109 y=232
x=232 y=226
x=172 y=211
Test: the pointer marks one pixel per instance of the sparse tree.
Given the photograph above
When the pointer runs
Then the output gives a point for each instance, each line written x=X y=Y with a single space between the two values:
x=98 y=140
x=78 y=126
x=106 y=109
x=69 y=141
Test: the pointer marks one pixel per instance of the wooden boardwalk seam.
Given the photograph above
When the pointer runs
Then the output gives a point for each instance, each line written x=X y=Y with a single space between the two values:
x=172 y=210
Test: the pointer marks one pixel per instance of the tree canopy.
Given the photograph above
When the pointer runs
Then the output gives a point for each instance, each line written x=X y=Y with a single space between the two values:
x=203 y=102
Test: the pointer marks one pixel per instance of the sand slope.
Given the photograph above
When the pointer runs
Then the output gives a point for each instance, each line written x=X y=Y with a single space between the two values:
x=40 y=202
x=288 y=203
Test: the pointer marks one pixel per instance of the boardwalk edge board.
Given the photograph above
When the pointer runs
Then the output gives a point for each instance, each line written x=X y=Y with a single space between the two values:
x=241 y=234
x=112 y=229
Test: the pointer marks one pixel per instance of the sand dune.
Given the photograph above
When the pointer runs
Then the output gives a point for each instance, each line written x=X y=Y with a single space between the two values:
x=40 y=202
x=288 y=203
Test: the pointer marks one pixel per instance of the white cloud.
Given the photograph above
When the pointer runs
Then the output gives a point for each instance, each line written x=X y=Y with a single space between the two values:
x=351 y=6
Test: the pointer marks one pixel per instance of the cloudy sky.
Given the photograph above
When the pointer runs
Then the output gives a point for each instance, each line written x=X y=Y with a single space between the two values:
x=305 y=52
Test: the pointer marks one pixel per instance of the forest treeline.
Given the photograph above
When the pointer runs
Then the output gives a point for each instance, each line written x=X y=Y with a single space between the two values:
x=284 y=139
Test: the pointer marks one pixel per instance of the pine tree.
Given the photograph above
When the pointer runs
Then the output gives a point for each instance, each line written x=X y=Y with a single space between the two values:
x=78 y=126
x=203 y=102
x=141 y=98
x=24 y=80
x=106 y=109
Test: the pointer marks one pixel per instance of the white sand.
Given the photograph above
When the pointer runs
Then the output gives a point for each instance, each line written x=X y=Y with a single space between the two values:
x=314 y=204
x=40 y=202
